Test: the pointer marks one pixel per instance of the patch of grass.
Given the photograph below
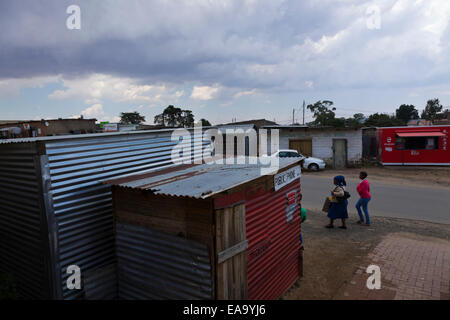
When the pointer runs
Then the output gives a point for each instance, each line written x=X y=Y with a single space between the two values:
x=371 y=163
x=7 y=287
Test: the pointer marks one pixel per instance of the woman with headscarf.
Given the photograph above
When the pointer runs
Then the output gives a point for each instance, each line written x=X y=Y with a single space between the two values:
x=338 y=203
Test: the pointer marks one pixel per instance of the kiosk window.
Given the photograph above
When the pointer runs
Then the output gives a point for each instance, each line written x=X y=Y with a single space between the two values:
x=417 y=143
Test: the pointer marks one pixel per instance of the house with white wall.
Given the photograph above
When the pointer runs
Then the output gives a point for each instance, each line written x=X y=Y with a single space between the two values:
x=338 y=147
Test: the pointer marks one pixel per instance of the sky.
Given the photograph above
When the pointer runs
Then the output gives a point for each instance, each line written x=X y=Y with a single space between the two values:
x=222 y=59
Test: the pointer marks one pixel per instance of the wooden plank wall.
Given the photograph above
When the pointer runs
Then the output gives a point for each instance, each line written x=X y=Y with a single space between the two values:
x=184 y=217
x=188 y=218
x=231 y=248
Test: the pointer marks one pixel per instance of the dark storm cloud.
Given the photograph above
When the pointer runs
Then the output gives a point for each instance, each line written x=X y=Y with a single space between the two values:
x=249 y=44
x=36 y=42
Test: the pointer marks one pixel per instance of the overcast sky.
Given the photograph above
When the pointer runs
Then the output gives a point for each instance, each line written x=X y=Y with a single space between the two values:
x=223 y=59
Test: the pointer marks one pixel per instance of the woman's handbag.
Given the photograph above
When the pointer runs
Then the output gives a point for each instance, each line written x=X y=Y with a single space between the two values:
x=344 y=197
x=326 y=205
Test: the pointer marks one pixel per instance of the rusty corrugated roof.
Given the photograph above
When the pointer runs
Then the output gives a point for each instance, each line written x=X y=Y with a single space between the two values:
x=199 y=181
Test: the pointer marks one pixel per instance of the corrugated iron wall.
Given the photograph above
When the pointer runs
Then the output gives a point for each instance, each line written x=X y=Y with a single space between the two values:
x=83 y=225
x=24 y=245
x=155 y=265
x=273 y=242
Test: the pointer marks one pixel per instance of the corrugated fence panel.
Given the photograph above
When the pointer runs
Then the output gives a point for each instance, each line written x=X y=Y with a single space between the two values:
x=155 y=265
x=83 y=208
x=273 y=243
x=23 y=233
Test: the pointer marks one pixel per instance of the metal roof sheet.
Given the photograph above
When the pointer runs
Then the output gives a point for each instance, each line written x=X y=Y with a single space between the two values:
x=85 y=136
x=199 y=181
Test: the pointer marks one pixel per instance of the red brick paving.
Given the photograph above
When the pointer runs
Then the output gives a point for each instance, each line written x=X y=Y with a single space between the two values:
x=410 y=269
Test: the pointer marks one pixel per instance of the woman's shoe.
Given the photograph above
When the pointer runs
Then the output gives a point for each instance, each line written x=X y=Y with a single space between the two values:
x=365 y=225
x=343 y=227
x=329 y=226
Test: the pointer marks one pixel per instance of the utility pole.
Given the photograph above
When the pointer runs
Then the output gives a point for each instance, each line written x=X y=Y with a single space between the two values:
x=303 y=112
x=293 y=115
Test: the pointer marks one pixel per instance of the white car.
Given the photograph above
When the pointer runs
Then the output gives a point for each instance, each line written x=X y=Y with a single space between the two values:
x=310 y=163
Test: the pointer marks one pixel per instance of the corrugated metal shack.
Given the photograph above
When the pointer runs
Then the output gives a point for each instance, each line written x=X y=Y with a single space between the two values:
x=54 y=212
x=211 y=231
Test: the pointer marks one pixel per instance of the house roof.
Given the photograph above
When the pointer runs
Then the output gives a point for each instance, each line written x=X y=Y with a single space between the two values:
x=3 y=122
x=257 y=123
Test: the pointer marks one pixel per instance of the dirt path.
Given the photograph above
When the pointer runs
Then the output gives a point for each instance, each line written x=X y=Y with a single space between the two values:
x=332 y=257
x=436 y=176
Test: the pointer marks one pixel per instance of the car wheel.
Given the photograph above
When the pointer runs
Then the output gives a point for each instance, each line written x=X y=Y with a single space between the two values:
x=313 y=167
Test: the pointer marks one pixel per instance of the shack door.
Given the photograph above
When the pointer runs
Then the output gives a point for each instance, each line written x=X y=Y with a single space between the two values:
x=302 y=146
x=339 y=153
x=231 y=246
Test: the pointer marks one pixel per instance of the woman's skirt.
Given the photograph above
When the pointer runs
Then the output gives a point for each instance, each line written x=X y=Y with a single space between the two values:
x=338 y=210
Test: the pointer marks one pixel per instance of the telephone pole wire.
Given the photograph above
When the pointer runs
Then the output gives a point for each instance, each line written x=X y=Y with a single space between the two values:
x=303 y=112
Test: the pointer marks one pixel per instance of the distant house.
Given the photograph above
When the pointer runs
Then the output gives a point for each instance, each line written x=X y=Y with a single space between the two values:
x=119 y=127
x=445 y=120
x=419 y=122
x=338 y=147
x=259 y=123
x=441 y=122
x=41 y=128
x=150 y=127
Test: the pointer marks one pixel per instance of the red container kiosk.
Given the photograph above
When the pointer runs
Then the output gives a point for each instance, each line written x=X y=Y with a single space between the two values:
x=414 y=145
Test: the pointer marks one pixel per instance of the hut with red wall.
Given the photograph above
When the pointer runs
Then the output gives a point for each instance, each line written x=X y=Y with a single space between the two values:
x=210 y=231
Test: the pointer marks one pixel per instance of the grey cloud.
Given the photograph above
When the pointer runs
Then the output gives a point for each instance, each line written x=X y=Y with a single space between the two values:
x=270 y=44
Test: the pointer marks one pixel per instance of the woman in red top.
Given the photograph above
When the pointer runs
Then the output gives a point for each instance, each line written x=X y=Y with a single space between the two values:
x=364 y=192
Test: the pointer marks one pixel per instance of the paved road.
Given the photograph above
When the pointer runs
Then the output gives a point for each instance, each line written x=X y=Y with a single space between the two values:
x=388 y=200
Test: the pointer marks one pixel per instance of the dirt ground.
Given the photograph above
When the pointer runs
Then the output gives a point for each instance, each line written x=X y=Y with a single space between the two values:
x=418 y=175
x=332 y=256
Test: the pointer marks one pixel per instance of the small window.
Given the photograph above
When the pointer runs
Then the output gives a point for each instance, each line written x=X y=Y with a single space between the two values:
x=400 y=144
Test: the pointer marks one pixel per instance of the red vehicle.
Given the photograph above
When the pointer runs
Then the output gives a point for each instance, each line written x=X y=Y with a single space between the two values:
x=414 y=145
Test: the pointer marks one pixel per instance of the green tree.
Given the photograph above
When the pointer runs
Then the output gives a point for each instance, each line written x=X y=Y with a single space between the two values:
x=169 y=117
x=446 y=114
x=357 y=121
x=383 y=120
x=432 y=110
x=323 y=112
x=131 y=118
x=406 y=112
x=359 y=117
x=205 y=123
x=175 y=117
x=187 y=119
x=324 y=116
x=337 y=122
